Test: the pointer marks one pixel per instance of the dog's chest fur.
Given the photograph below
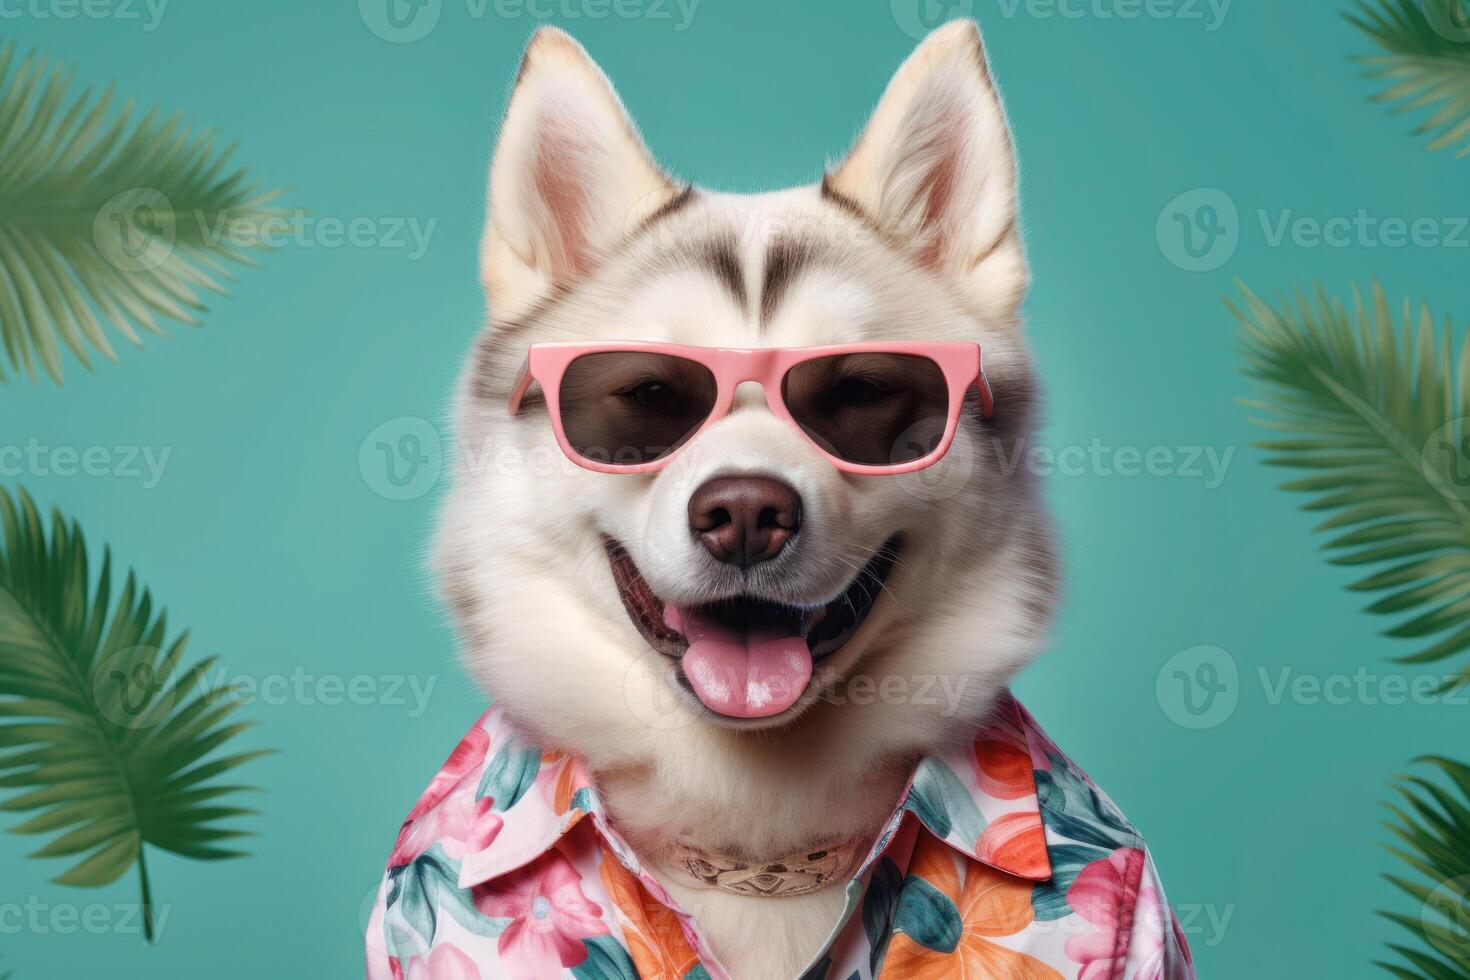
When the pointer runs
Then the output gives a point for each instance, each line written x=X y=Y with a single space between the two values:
x=766 y=805
x=760 y=938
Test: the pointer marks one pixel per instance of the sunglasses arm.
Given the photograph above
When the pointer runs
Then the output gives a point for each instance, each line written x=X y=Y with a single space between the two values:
x=987 y=400
x=523 y=385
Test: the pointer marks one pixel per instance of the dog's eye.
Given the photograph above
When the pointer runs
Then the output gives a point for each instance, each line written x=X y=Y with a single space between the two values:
x=855 y=391
x=652 y=394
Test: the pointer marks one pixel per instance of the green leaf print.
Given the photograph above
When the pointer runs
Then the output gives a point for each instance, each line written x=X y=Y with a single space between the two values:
x=928 y=917
x=945 y=806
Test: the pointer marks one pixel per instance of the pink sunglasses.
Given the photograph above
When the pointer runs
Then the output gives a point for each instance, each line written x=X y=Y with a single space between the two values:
x=631 y=407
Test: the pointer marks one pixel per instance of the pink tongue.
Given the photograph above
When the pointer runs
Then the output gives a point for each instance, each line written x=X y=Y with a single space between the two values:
x=752 y=673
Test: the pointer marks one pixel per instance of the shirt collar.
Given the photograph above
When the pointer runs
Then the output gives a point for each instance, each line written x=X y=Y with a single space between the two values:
x=979 y=798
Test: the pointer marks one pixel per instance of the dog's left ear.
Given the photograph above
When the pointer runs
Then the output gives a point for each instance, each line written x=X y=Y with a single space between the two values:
x=570 y=177
x=935 y=168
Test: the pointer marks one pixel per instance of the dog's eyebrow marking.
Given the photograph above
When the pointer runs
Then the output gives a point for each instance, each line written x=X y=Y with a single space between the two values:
x=833 y=196
x=560 y=290
x=722 y=257
x=784 y=262
x=673 y=205
x=854 y=210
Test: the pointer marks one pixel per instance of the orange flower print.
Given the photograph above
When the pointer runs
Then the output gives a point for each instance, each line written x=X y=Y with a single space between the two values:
x=945 y=927
x=1003 y=768
x=650 y=930
x=569 y=778
x=1018 y=842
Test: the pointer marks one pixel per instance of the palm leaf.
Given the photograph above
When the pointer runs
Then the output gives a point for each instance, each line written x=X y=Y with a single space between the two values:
x=105 y=217
x=1426 y=62
x=1432 y=826
x=1376 y=413
x=108 y=739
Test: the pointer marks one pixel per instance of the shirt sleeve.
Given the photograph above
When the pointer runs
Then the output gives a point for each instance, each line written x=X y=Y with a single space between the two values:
x=1157 y=949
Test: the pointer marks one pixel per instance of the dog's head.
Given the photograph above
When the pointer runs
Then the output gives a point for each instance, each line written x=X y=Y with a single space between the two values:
x=918 y=595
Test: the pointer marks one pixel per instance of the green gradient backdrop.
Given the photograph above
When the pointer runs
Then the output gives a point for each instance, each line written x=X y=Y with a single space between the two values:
x=267 y=540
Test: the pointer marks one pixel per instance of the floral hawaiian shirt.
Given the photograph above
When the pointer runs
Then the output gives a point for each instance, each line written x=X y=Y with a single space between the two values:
x=1002 y=860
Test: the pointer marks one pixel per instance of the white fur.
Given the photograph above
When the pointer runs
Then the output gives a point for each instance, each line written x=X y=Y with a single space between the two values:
x=520 y=547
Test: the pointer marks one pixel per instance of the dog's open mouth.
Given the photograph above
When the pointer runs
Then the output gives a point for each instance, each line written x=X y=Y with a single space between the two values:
x=746 y=657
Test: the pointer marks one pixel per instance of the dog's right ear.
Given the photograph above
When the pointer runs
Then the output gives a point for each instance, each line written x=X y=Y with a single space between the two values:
x=570 y=178
x=935 y=169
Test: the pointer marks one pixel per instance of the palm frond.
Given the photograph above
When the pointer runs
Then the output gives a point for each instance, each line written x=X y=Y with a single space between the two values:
x=1426 y=62
x=108 y=738
x=105 y=217
x=1432 y=826
x=1376 y=412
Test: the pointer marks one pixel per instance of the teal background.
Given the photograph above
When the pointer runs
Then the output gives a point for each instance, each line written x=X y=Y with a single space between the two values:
x=268 y=541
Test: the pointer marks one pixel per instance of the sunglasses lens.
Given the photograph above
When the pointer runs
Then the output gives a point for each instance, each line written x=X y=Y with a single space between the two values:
x=626 y=408
x=873 y=409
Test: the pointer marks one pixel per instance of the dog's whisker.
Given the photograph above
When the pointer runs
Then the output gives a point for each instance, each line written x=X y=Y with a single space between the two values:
x=884 y=551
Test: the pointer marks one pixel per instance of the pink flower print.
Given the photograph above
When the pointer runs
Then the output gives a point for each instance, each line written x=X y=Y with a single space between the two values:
x=467 y=755
x=1102 y=895
x=485 y=828
x=436 y=814
x=460 y=824
x=1155 y=927
x=444 y=962
x=550 y=916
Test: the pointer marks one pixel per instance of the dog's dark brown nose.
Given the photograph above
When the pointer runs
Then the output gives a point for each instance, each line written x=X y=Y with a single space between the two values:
x=744 y=520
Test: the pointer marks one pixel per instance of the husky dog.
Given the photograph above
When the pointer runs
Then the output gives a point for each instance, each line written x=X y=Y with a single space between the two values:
x=932 y=587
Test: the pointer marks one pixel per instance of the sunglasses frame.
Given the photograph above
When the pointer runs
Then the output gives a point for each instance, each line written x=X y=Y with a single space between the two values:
x=961 y=363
